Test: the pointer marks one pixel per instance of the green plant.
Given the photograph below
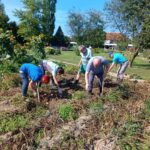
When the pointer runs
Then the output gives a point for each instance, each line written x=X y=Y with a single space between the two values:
x=7 y=42
x=13 y=123
x=113 y=96
x=78 y=95
x=36 y=47
x=49 y=50
x=96 y=108
x=67 y=112
x=9 y=81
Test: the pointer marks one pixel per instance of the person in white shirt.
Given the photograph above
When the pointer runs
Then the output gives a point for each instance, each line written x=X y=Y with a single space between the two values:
x=86 y=55
x=55 y=70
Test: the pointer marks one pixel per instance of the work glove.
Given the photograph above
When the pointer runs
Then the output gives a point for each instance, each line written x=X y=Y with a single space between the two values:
x=59 y=92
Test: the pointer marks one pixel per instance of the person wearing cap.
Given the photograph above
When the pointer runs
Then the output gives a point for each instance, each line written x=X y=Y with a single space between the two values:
x=86 y=55
x=97 y=66
x=55 y=70
x=30 y=71
x=118 y=58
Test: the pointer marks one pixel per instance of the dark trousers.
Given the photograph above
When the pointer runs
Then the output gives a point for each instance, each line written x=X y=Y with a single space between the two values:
x=25 y=82
x=91 y=80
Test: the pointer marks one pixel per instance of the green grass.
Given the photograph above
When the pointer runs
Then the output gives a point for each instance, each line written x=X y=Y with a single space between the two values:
x=140 y=67
x=13 y=123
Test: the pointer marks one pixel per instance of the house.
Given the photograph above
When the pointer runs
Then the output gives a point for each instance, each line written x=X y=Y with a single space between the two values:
x=112 y=39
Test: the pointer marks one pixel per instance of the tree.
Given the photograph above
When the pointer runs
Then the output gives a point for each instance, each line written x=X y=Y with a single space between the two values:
x=59 y=38
x=87 y=27
x=76 y=23
x=94 y=29
x=129 y=17
x=3 y=17
x=38 y=17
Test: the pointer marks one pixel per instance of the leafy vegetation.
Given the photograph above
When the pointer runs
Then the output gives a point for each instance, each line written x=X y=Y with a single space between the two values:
x=67 y=112
x=13 y=123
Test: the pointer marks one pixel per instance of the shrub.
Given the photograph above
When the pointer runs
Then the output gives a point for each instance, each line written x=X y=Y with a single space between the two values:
x=36 y=46
x=7 y=42
x=52 y=51
x=67 y=112
x=49 y=50
x=8 y=81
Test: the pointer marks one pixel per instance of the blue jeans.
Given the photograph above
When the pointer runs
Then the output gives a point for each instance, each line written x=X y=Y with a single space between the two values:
x=91 y=80
x=25 y=82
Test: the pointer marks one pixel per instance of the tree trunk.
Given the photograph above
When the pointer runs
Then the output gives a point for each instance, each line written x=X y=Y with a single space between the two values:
x=134 y=56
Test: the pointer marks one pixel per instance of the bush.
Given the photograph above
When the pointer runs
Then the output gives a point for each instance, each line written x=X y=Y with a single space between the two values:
x=52 y=51
x=7 y=42
x=67 y=112
x=36 y=46
x=7 y=66
x=49 y=50
x=9 y=81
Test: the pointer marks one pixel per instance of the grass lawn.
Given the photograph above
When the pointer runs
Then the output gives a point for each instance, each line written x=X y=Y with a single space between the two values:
x=140 y=69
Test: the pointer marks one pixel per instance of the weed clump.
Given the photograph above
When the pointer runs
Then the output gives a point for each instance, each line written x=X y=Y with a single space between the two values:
x=13 y=123
x=67 y=112
x=78 y=95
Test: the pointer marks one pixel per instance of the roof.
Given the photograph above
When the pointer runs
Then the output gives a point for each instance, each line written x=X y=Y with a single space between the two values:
x=115 y=36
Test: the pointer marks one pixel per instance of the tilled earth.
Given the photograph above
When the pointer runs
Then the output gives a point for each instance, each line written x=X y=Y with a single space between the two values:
x=120 y=124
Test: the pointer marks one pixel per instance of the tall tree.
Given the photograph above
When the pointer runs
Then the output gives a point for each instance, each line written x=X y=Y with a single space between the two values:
x=38 y=17
x=76 y=23
x=59 y=38
x=87 y=29
x=129 y=17
x=94 y=29
x=3 y=17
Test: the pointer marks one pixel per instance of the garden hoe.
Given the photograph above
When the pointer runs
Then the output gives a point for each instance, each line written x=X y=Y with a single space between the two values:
x=38 y=94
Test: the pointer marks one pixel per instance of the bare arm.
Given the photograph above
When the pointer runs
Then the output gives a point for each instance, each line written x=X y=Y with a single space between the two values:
x=86 y=80
x=55 y=80
x=106 y=70
x=110 y=68
x=32 y=85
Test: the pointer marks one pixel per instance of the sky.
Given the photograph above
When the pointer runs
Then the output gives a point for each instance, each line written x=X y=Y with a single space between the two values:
x=62 y=9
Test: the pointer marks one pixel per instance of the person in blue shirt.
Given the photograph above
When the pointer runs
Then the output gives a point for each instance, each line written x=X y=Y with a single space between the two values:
x=98 y=66
x=118 y=58
x=34 y=73
x=86 y=55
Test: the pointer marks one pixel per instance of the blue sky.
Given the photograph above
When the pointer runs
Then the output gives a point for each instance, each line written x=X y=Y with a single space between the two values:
x=62 y=9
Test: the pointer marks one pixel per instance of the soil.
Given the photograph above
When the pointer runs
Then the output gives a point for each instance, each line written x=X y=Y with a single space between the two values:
x=88 y=131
